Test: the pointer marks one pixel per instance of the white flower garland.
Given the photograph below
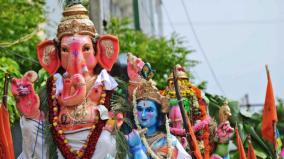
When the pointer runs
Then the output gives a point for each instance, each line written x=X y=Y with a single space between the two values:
x=143 y=138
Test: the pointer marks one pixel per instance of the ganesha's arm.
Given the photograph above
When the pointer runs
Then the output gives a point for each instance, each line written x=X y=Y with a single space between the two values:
x=75 y=99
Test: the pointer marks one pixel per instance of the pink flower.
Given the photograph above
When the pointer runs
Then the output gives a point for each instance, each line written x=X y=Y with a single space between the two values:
x=201 y=124
x=282 y=153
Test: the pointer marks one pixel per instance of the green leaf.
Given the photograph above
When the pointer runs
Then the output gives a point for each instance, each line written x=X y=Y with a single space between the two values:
x=258 y=139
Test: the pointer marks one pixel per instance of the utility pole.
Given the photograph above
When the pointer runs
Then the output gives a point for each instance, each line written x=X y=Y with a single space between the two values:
x=136 y=14
x=247 y=102
x=95 y=14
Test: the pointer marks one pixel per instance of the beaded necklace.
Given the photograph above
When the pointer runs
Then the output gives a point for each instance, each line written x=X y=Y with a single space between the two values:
x=67 y=151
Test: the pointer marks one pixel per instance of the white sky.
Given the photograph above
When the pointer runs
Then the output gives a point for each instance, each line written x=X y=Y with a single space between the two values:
x=239 y=38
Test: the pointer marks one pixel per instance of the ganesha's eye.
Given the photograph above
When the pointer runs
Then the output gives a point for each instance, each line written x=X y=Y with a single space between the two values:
x=86 y=48
x=64 y=49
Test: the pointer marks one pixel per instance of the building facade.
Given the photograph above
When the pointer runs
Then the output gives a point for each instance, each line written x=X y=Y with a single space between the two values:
x=146 y=15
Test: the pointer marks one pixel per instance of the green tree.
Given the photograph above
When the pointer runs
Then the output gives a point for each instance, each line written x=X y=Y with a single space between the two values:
x=8 y=65
x=162 y=53
x=19 y=34
x=20 y=23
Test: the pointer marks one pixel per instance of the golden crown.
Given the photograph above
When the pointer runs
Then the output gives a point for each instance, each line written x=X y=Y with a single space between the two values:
x=181 y=74
x=147 y=90
x=75 y=21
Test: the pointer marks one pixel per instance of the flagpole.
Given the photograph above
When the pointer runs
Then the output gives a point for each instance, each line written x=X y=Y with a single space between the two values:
x=5 y=92
x=190 y=136
x=267 y=71
x=274 y=139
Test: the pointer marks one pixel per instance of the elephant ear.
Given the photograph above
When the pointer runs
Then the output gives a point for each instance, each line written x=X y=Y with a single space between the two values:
x=47 y=56
x=107 y=50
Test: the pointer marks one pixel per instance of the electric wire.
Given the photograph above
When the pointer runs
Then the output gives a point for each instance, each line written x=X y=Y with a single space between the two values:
x=147 y=15
x=21 y=56
x=195 y=74
x=201 y=49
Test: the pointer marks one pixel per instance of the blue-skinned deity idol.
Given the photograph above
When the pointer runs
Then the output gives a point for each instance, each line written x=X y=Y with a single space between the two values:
x=152 y=139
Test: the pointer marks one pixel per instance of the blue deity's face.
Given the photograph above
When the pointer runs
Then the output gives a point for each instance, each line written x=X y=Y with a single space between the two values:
x=147 y=113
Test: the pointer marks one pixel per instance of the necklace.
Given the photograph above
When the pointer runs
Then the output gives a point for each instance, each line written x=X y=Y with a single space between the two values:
x=144 y=139
x=58 y=134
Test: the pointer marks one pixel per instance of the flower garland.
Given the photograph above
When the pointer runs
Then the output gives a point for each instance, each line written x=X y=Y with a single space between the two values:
x=143 y=138
x=67 y=151
x=203 y=110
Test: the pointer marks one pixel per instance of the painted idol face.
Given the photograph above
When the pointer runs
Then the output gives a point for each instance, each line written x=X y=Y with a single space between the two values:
x=147 y=113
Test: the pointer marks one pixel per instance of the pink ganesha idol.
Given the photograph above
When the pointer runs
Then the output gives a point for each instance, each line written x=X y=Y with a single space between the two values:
x=78 y=91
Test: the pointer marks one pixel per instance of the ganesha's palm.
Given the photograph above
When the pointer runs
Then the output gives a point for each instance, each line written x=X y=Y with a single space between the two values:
x=27 y=99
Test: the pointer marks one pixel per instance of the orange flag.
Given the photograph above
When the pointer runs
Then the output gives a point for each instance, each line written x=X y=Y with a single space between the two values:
x=251 y=153
x=269 y=118
x=240 y=145
x=6 y=142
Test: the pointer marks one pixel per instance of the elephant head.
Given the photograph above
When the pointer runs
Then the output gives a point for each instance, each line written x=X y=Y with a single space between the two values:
x=78 y=50
x=78 y=54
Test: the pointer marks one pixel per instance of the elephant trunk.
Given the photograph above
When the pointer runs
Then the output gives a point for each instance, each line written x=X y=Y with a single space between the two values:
x=77 y=64
x=78 y=97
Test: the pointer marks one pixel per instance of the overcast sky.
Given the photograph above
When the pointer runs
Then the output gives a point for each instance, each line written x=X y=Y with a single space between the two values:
x=239 y=37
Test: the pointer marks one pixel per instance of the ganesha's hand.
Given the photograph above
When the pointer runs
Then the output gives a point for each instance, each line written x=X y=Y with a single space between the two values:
x=26 y=98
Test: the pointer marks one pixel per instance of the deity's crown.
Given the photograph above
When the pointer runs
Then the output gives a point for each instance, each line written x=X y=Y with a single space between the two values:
x=180 y=73
x=148 y=90
x=75 y=20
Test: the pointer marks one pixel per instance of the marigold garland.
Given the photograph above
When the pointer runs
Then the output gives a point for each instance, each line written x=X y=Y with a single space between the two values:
x=86 y=152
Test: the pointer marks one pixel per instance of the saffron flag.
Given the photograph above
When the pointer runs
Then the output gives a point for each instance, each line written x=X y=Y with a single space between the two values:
x=6 y=142
x=240 y=145
x=251 y=153
x=269 y=118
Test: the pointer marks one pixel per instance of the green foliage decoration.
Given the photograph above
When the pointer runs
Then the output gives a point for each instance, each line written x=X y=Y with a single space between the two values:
x=162 y=53
x=20 y=18
x=10 y=66
x=248 y=124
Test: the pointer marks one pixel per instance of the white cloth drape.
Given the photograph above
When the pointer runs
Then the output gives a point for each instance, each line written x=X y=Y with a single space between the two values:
x=106 y=145
x=33 y=139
